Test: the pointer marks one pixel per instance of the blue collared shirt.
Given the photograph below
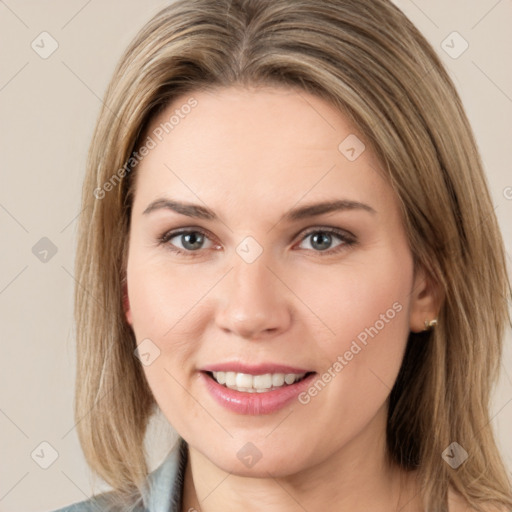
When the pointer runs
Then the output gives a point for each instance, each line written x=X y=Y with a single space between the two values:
x=165 y=487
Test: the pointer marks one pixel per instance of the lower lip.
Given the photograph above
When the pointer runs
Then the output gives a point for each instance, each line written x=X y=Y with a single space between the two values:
x=255 y=403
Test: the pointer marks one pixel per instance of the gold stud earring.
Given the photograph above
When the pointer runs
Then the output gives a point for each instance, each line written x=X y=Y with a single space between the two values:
x=429 y=325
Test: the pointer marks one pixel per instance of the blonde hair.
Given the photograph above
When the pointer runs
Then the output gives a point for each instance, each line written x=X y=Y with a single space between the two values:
x=367 y=59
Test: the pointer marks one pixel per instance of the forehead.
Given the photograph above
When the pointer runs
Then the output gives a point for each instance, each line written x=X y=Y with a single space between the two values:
x=261 y=145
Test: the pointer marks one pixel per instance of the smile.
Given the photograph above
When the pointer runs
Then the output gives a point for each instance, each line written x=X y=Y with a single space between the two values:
x=256 y=393
x=247 y=383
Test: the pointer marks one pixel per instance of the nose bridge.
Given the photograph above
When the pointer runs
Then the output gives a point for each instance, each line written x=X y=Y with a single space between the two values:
x=253 y=301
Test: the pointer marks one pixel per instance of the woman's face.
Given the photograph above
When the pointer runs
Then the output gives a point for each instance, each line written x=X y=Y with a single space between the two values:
x=268 y=288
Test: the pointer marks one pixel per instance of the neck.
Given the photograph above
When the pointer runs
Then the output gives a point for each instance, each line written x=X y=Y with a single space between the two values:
x=357 y=477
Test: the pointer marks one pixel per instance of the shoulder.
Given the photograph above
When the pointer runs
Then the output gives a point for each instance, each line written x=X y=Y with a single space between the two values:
x=102 y=502
x=164 y=489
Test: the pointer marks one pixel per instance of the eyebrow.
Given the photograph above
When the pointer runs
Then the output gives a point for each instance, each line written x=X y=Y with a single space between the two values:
x=295 y=214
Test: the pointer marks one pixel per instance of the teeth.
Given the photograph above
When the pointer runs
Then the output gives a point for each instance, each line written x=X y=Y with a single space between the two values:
x=256 y=383
x=289 y=378
x=278 y=379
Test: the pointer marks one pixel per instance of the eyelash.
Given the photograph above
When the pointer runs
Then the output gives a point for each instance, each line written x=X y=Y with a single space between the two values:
x=348 y=240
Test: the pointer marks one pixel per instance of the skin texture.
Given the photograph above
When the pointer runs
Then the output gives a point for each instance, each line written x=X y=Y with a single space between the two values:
x=251 y=155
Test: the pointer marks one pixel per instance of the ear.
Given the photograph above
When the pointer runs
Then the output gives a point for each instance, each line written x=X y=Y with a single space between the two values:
x=425 y=300
x=126 y=304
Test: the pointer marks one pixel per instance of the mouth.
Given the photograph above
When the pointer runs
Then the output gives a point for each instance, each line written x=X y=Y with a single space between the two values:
x=265 y=390
x=259 y=383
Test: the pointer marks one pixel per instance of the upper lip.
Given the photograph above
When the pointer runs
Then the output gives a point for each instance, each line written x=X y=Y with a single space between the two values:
x=259 y=369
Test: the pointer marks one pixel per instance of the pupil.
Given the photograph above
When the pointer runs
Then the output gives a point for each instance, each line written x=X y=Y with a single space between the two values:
x=324 y=238
x=192 y=239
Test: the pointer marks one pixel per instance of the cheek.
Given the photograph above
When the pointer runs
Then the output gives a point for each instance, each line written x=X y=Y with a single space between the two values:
x=349 y=299
x=361 y=310
x=166 y=323
x=366 y=307
x=364 y=302
x=162 y=298
x=360 y=338
x=161 y=305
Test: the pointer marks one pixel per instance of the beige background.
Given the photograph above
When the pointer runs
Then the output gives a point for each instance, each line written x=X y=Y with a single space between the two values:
x=48 y=109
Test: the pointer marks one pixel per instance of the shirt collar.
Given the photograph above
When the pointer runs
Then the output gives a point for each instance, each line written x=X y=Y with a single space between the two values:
x=165 y=492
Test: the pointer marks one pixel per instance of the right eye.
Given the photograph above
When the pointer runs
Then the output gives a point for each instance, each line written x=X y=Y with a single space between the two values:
x=191 y=241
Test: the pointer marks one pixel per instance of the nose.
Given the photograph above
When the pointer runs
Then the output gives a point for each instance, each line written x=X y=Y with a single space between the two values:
x=253 y=303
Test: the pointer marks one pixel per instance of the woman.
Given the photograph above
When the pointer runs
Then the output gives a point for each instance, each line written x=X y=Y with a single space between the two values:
x=289 y=248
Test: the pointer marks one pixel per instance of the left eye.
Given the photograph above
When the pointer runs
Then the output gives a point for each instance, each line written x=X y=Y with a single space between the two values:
x=192 y=240
x=320 y=238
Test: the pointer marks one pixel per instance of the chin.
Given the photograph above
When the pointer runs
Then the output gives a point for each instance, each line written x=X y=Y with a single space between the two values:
x=257 y=460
